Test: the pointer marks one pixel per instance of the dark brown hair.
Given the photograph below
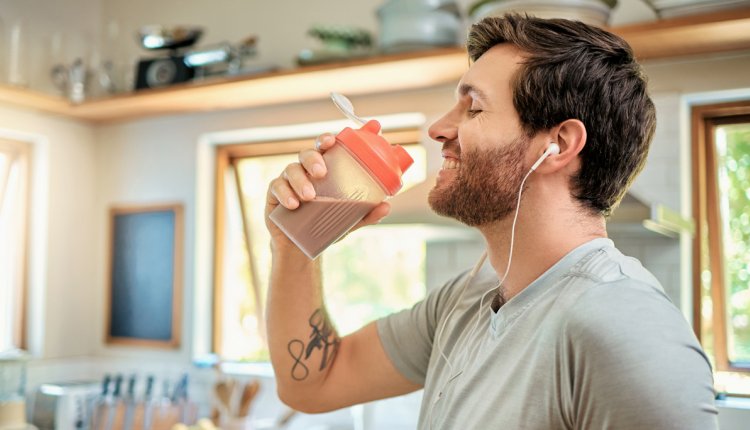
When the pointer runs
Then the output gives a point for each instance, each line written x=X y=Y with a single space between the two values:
x=576 y=71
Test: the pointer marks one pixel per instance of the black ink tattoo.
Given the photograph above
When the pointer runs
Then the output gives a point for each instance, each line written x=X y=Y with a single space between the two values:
x=299 y=370
x=322 y=337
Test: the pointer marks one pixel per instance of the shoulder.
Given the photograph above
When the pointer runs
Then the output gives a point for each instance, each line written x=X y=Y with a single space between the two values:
x=617 y=304
x=627 y=343
x=624 y=308
x=630 y=324
x=612 y=289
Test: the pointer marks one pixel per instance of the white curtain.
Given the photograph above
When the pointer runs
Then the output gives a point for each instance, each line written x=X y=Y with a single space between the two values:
x=14 y=178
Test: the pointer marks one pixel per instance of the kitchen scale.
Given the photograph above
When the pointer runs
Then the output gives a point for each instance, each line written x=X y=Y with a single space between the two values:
x=170 y=68
x=182 y=64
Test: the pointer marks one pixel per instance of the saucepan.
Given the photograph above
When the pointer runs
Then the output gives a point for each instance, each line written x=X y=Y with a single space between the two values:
x=418 y=24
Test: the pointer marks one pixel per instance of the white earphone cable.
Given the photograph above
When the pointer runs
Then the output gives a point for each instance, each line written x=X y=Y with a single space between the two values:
x=472 y=274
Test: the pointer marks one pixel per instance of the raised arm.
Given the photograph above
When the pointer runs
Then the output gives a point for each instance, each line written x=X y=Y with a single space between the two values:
x=316 y=370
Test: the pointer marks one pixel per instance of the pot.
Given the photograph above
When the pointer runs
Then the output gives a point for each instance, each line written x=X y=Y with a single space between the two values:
x=593 y=12
x=675 y=8
x=407 y=25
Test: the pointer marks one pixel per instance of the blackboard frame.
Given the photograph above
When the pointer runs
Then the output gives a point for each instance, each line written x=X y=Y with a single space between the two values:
x=123 y=278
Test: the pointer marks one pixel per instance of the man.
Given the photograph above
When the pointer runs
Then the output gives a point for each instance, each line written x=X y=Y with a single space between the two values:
x=572 y=334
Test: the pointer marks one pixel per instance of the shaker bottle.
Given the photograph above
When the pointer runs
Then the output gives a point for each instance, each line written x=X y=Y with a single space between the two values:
x=363 y=170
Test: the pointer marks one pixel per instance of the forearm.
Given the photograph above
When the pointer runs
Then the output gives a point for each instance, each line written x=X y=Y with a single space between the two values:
x=302 y=341
x=315 y=370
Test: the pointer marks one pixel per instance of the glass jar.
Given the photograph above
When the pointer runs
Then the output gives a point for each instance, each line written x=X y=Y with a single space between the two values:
x=13 y=388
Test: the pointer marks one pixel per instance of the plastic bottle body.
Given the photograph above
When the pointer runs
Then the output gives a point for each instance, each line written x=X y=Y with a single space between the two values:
x=344 y=196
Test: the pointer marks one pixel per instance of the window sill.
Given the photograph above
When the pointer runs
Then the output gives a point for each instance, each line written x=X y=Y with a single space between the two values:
x=734 y=403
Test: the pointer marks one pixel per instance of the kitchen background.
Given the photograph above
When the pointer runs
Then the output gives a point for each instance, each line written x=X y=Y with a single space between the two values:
x=81 y=169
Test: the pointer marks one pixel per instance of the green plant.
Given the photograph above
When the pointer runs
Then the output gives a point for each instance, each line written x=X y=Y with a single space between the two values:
x=343 y=37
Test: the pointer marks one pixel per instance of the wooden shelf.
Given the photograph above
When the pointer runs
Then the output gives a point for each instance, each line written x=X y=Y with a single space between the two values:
x=33 y=100
x=693 y=35
x=387 y=73
x=711 y=33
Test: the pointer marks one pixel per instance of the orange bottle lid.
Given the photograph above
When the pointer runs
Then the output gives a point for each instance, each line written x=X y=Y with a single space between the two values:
x=386 y=162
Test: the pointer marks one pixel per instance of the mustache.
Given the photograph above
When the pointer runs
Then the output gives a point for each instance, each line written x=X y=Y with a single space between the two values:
x=452 y=146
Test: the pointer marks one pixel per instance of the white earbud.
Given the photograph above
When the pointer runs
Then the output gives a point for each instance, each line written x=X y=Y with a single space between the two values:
x=553 y=148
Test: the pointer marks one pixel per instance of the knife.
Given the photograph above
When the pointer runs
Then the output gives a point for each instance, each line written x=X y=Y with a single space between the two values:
x=129 y=404
x=182 y=396
x=147 y=403
x=97 y=420
x=113 y=404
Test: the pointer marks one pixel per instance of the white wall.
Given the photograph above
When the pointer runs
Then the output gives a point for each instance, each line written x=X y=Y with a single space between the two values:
x=74 y=23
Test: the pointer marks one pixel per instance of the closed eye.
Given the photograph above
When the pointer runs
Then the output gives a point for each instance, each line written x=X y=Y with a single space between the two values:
x=473 y=112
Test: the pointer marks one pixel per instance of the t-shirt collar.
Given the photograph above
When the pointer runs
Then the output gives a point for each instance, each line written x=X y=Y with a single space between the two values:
x=541 y=285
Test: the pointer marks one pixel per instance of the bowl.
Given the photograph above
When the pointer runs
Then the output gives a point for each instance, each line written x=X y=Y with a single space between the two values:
x=161 y=37
x=593 y=12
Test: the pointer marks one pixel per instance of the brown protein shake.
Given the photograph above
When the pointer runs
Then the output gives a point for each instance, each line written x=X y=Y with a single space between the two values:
x=363 y=170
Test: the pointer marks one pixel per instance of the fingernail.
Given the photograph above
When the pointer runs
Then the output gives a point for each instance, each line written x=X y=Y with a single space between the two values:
x=318 y=170
x=308 y=192
x=291 y=203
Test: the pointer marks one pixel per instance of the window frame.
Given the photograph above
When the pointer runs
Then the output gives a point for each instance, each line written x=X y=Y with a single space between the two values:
x=21 y=151
x=706 y=210
x=226 y=157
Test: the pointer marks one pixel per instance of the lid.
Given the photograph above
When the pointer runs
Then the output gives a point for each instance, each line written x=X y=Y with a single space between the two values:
x=385 y=161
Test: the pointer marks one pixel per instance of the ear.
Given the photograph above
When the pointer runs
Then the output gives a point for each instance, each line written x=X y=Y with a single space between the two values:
x=570 y=135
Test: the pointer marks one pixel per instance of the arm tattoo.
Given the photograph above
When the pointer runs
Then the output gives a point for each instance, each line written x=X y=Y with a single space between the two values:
x=322 y=337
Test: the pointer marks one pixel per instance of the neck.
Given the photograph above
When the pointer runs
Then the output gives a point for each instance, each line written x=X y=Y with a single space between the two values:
x=546 y=230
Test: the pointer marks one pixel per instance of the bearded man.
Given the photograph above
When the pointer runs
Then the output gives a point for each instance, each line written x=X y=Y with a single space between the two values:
x=559 y=330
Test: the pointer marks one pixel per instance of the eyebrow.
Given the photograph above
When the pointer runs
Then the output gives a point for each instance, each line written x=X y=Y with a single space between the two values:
x=468 y=89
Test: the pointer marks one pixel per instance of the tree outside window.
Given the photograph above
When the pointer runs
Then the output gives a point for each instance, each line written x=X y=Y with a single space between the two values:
x=721 y=184
x=733 y=148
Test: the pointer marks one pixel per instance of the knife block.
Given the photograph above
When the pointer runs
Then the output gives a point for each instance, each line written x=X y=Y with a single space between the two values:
x=163 y=415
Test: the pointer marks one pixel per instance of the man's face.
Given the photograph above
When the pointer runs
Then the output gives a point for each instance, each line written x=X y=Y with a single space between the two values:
x=484 y=147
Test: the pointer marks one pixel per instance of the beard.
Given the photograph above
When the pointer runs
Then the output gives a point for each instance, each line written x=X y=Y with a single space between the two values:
x=485 y=188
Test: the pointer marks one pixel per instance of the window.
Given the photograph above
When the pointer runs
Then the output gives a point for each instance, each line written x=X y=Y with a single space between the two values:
x=14 y=182
x=358 y=289
x=721 y=201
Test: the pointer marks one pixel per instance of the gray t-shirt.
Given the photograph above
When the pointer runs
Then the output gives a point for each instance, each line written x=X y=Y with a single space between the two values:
x=593 y=343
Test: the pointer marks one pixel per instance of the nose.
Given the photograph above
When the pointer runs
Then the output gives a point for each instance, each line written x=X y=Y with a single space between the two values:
x=444 y=129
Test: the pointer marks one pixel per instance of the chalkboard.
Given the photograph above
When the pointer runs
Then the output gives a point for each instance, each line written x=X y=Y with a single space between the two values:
x=145 y=287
